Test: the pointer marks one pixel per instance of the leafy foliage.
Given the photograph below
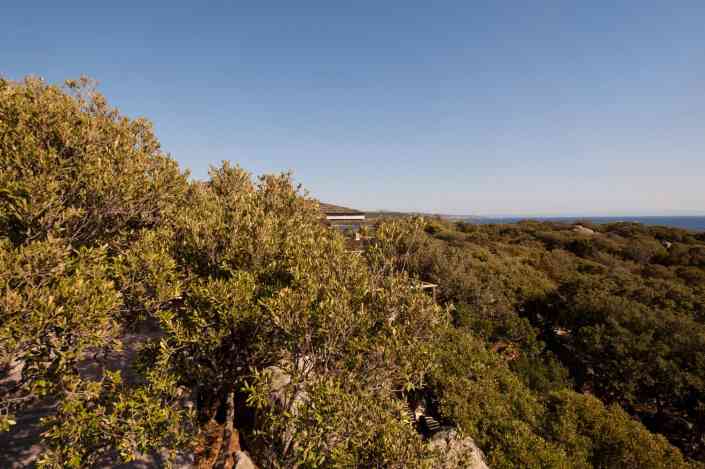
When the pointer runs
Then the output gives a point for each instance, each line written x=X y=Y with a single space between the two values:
x=607 y=311
x=78 y=185
x=257 y=329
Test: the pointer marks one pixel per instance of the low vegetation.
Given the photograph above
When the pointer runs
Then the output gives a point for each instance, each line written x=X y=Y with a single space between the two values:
x=615 y=312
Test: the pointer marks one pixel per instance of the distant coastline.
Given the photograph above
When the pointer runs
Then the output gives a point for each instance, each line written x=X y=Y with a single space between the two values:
x=686 y=222
x=694 y=223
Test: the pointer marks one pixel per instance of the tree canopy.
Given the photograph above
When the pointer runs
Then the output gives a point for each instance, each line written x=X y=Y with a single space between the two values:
x=162 y=315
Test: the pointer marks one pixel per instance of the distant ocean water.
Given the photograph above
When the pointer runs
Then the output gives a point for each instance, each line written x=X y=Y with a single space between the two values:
x=688 y=223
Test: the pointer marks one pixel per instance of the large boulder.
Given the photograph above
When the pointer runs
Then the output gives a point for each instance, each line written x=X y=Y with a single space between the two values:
x=456 y=451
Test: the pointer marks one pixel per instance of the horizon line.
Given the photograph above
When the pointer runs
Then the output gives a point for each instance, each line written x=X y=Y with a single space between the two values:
x=687 y=214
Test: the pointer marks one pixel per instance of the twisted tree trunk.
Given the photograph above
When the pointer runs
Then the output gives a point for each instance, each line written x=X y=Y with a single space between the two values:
x=231 y=439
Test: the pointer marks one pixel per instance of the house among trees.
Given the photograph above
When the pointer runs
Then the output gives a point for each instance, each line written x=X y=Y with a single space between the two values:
x=345 y=219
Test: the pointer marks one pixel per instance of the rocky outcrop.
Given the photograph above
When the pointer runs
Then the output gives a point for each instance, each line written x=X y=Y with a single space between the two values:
x=456 y=451
x=285 y=395
x=281 y=393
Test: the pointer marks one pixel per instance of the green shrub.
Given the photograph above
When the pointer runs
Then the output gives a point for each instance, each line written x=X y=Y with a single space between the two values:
x=606 y=437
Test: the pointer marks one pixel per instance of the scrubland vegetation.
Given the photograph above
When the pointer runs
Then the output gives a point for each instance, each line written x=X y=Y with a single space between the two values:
x=613 y=312
x=549 y=347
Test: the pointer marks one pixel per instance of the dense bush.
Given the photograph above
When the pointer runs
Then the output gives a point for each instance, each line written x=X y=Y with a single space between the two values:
x=599 y=436
x=266 y=334
x=102 y=233
x=80 y=186
x=519 y=428
x=617 y=312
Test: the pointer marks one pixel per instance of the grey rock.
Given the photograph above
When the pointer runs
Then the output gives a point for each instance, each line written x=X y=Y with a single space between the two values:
x=456 y=451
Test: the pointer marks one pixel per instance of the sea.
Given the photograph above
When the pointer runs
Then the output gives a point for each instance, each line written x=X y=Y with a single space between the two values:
x=693 y=223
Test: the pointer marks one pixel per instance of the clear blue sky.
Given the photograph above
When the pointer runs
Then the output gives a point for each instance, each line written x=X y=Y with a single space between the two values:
x=458 y=107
